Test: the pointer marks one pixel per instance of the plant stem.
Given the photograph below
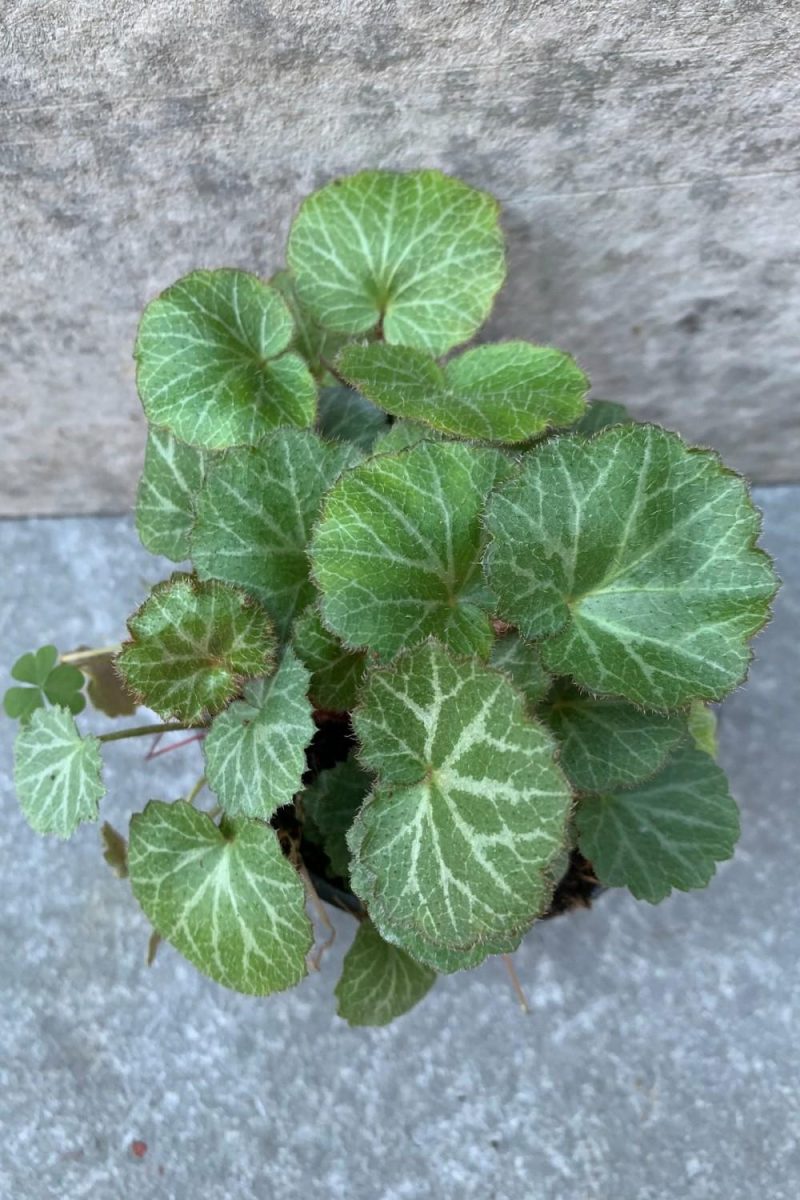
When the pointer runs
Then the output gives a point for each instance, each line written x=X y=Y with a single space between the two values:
x=77 y=656
x=196 y=790
x=336 y=375
x=142 y=731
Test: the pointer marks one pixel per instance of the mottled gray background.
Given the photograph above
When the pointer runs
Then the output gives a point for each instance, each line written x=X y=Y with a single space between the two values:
x=646 y=156
x=659 y=1061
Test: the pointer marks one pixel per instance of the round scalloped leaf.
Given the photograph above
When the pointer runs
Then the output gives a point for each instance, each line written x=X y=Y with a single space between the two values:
x=172 y=476
x=668 y=832
x=607 y=743
x=192 y=644
x=316 y=345
x=441 y=958
x=600 y=414
x=255 y=749
x=331 y=803
x=635 y=556
x=345 y=416
x=456 y=840
x=211 y=366
x=225 y=897
x=255 y=513
x=57 y=773
x=336 y=672
x=397 y=551
x=379 y=981
x=419 y=252
x=522 y=663
x=508 y=392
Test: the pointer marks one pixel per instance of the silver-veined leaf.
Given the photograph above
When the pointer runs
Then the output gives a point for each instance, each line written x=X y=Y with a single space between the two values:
x=379 y=982
x=522 y=663
x=57 y=773
x=172 y=476
x=336 y=672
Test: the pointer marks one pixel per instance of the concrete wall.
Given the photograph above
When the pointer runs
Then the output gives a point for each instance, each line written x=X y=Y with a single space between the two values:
x=646 y=154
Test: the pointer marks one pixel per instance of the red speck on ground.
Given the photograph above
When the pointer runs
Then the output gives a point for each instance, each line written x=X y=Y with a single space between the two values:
x=138 y=1149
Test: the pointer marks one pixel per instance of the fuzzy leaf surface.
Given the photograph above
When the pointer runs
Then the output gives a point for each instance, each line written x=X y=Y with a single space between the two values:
x=172 y=476
x=310 y=340
x=331 y=802
x=455 y=841
x=507 y=392
x=346 y=416
x=336 y=672
x=191 y=645
x=420 y=252
x=522 y=663
x=211 y=361
x=379 y=981
x=397 y=551
x=607 y=743
x=635 y=557
x=668 y=832
x=226 y=897
x=255 y=749
x=57 y=773
x=255 y=513
x=405 y=434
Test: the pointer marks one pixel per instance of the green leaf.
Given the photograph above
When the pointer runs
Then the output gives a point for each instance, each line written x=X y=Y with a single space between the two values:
x=379 y=982
x=635 y=556
x=455 y=842
x=441 y=958
x=192 y=645
x=210 y=363
x=507 y=392
x=335 y=671
x=255 y=749
x=345 y=416
x=57 y=773
x=600 y=414
x=405 y=434
x=254 y=518
x=331 y=802
x=226 y=897
x=317 y=345
x=50 y=682
x=666 y=833
x=420 y=252
x=522 y=663
x=608 y=744
x=115 y=850
x=703 y=727
x=397 y=551
x=171 y=479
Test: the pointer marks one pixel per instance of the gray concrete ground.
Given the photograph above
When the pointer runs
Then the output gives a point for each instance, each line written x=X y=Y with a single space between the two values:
x=659 y=1059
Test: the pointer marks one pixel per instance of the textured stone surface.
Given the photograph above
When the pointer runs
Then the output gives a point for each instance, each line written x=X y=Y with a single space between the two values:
x=646 y=157
x=657 y=1060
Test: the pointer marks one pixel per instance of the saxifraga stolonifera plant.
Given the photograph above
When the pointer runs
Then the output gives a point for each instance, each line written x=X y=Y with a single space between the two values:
x=450 y=633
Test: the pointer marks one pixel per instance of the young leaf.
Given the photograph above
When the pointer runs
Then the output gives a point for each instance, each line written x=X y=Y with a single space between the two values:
x=49 y=680
x=255 y=513
x=191 y=645
x=608 y=744
x=331 y=802
x=522 y=663
x=317 y=345
x=507 y=392
x=703 y=727
x=636 y=558
x=255 y=749
x=397 y=551
x=420 y=252
x=171 y=479
x=225 y=897
x=600 y=414
x=211 y=367
x=345 y=416
x=455 y=841
x=335 y=671
x=666 y=833
x=57 y=773
x=379 y=982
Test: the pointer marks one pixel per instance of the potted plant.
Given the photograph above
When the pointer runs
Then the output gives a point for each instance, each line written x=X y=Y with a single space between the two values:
x=450 y=633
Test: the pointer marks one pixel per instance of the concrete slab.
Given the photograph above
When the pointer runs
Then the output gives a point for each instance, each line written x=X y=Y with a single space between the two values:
x=659 y=1058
